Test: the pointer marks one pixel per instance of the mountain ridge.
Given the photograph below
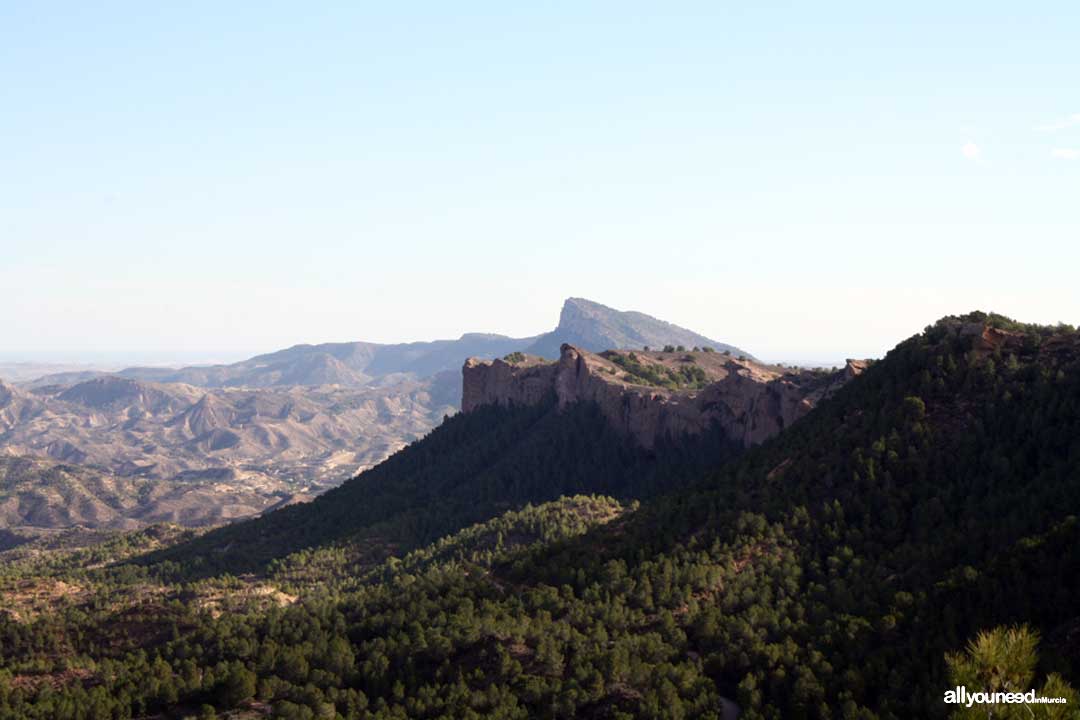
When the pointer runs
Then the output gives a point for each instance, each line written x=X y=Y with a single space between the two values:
x=184 y=453
x=584 y=323
x=652 y=395
x=595 y=327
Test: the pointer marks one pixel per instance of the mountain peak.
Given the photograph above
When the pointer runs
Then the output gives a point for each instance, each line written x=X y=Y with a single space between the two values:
x=103 y=390
x=595 y=327
x=111 y=391
x=572 y=304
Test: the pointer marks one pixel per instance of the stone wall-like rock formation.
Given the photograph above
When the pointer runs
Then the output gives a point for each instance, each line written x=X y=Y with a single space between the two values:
x=751 y=402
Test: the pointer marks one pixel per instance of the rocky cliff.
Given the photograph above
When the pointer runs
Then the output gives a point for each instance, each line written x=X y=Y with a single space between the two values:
x=650 y=395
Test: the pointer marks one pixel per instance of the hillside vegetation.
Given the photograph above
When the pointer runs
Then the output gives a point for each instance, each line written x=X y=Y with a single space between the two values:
x=474 y=466
x=828 y=573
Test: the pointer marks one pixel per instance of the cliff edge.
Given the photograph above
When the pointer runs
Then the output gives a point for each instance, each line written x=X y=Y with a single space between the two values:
x=652 y=394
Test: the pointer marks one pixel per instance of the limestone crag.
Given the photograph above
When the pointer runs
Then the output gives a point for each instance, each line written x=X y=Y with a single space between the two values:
x=499 y=382
x=650 y=395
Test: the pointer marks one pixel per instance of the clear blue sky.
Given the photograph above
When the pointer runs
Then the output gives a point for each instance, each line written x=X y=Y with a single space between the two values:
x=805 y=180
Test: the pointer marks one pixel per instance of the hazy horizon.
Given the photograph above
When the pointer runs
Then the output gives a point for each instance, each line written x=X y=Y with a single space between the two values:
x=118 y=359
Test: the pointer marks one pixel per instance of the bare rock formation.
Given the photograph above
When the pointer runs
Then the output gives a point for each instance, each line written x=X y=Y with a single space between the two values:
x=650 y=395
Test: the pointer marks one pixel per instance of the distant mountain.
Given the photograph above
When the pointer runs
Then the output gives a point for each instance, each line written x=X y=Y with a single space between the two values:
x=16 y=406
x=109 y=391
x=591 y=326
x=583 y=323
x=135 y=452
x=24 y=372
x=351 y=364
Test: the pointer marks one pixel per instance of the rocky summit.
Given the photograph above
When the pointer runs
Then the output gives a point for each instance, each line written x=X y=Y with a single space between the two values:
x=649 y=395
x=595 y=327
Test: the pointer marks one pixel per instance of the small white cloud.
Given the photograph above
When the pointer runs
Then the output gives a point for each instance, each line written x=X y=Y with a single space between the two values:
x=1060 y=124
x=1066 y=153
x=971 y=151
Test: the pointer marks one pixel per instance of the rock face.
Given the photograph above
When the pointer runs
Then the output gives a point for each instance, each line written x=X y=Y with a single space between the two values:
x=662 y=394
x=498 y=382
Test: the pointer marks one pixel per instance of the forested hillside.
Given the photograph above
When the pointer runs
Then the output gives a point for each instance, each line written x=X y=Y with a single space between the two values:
x=824 y=574
x=471 y=468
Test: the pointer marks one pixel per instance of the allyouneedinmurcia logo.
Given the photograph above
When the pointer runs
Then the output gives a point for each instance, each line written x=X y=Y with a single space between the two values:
x=960 y=696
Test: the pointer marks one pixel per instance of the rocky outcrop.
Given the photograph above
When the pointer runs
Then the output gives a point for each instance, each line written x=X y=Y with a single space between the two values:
x=499 y=382
x=749 y=401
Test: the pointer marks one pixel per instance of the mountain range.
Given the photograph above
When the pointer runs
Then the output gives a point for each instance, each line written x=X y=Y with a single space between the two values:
x=911 y=532
x=583 y=323
x=202 y=445
x=194 y=455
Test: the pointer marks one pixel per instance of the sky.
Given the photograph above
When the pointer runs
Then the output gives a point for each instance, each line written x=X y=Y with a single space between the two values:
x=808 y=181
